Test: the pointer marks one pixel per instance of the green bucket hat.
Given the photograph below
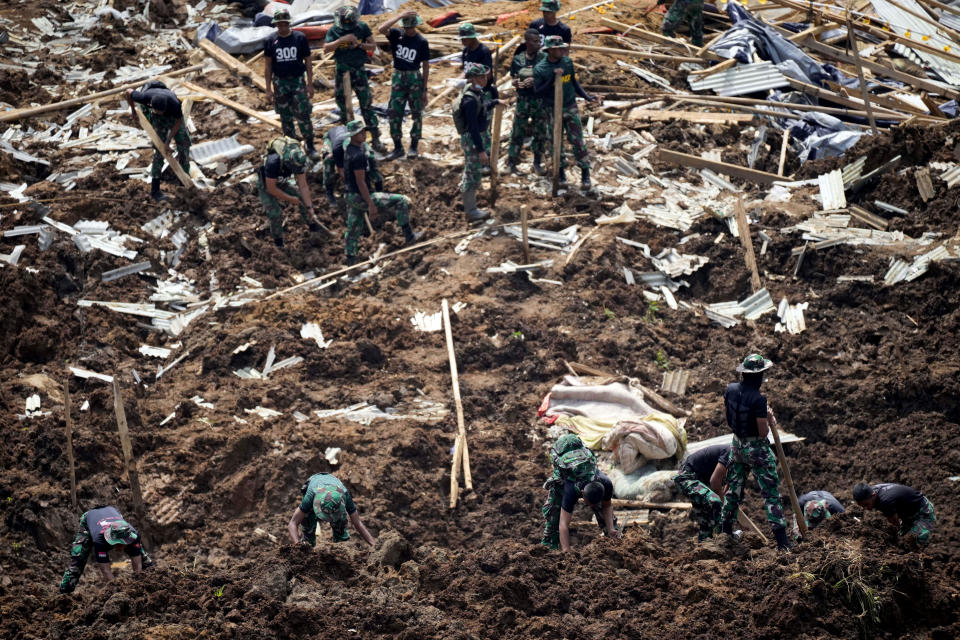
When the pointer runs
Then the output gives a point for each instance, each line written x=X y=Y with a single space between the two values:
x=354 y=127
x=329 y=506
x=120 y=532
x=346 y=17
x=281 y=15
x=473 y=69
x=549 y=5
x=466 y=31
x=554 y=42
x=412 y=21
x=754 y=363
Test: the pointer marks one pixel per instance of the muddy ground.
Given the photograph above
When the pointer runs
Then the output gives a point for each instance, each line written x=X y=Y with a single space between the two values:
x=872 y=384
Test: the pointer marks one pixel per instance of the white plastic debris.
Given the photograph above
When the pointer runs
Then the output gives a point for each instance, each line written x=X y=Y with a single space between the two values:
x=791 y=317
x=331 y=454
x=311 y=331
x=33 y=406
x=262 y=412
x=85 y=374
x=200 y=402
x=85 y=406
x=154 y=352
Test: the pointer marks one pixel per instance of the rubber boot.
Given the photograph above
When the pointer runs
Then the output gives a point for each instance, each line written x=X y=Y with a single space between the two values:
x=783 y=543
x=155 y=190
x=412 y=151
x=562 y=177
x=278 y=242
x=351 y=260
x=331 y=199
x=537 y=167
x=512 y=166
x=585 y=179
x=410 y=236
x=397 y=151
x=375 y=141
x=470 y=207
x=312 y=152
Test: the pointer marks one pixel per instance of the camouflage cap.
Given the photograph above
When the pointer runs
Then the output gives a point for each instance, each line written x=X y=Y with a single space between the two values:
x=328 y=505
x=473 y=69
x=549 y=5
x=354 y=127
x=281 y=15
x=754 y=363
x=466 y=31
x=411 y=21
x=347 y=16
x=815 y=512
x=554 y=42
x=294 y=157
x=120 y=532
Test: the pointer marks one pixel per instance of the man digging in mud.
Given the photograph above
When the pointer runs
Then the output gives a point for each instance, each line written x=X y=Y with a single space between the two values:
x=285 y=158
x=747 y=416
x=701 y=478
x=818 y=506
x=905 y=508
x=325 y=499
x=163 y=110
x=101 y=529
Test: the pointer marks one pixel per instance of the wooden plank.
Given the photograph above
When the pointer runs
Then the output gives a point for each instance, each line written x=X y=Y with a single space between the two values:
x=657 y=38
x=626 y=53
x=717 y=68
x=161 y=146
x=69 y=431
x=836 y=98
x=783 y=151
x=883 y=101
x=495 y=152
x=865 y=94
x=557 y=131
x=523 y=234
x=232 y=63
x=643 y=504
x=437 y=98
x=17 y=114
x=233 y=104
x=347 y=83
x=699 y=117
x=687 y=160
x=749 y=256
x=129 y=460
x=924 y=183
x=460 y=448
x=868 y=218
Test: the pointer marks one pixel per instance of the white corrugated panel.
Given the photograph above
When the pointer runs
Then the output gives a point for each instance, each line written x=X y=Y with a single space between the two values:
x=831 y=190
x=901 y=22
x=740 y=80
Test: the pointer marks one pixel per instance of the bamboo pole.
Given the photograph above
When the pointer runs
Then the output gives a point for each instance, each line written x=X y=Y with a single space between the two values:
x=130 y=463
x=557 y=130
x=523 y=234
x=792 y=494
x=347 y=96
x=231 y=63
x=69 y=430
x=17 y=114
x=439 y=97
x=852 y=39
x=233 y=104
x=749 y=256
x=495 y=153
x=461 y=449
x=161 y=147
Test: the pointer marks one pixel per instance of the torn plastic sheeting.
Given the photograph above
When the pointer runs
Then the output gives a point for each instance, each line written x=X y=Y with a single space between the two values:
x=311 y=331
x=86 y=374
x=236 y=40
x=262 y=412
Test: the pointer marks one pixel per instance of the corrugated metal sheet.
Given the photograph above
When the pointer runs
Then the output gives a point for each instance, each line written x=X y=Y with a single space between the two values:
x=740 y=80
x=951 y=176
x=675 y=381
x=831 y=190
x=791 y=316
x=853 y=170
x=902 y=22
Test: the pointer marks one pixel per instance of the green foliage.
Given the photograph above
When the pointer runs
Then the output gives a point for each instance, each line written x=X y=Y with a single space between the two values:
x=661 y=360
x=218 y=592
x=17 y=548
x=652 y=308
x=610 y=315
x=518 y=335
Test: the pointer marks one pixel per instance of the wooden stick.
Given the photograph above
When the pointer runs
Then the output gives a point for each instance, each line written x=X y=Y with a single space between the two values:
x=233 y=104
x=161 y=147
x=749 y=256
x=747 y=522
x=557 y=131
x=717 y=68
x=254 y=58
x=69 y=429
x=939 y=5
x=523 y=234
x=685 y=159
x=795 y=505
x=17 y=114
x=127 y=448
x=783 y=151
x=232 y=63
x=461 y=424
x=644 y=504
x=626 y=53
x=926 y=18
x=366 y=218
x=437 y=98
x=347 y=96
x=495 y=153
x=852 y=38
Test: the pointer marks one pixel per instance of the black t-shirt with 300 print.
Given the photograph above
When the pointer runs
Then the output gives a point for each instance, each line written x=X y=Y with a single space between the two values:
x=408 y=52
x=288 y=54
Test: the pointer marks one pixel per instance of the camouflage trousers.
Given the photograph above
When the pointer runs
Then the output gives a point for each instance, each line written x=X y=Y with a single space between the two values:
x=746 y=456
x=472 y=167
x=274 y=208
x=162 y=124
x=293 y=106
x=529 y=120
x=922 y=525
x=706 y=504
x=80 y=551
x=551 y=514
x=308 y=528
x=690 y=10
x=406 y=88
x=574 y=130
x=387 y=203
x=360 y=84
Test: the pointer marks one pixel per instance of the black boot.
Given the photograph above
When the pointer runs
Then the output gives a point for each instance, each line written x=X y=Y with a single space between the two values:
x=783 y=543
x=412 y=151
x=410 y=236
x=312 y=152
x=278 y=242
x=351 y=260
x=585 y=179
x=375 y=141
x=512 y=166
x=397 y=151
x=562 y=177
x=331 y=199
x=155 y=190
x=537 y=167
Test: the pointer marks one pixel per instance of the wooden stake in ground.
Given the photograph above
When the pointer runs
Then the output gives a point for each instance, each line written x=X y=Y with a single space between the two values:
x=749 y=256
x=557 y=130
x=131 y=464
x=852 y=38
x=495 y=153
x=791 y=492
x=745 y=521
x=461 y=451
x=69 y=429
x=523 y=234
x=347 y=96
x=783 y=151
x=161 y=146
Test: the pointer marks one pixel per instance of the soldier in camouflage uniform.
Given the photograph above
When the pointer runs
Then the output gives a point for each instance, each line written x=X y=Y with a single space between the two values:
x=700 y=479
x=471 y=118
x=349 y=39
x=411 y=73
x=101 y=529
x=748 y=415
x=334 y=143
x=529 y=118
x=286 y=60
x=907 y=509
x=164 y=113
x=680 y=10
x=362 y=199
x=284 y=160
x=325 y=499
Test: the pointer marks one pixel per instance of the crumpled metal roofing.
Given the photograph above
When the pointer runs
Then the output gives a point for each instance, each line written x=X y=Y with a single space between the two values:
x=741 y=79
x=901 y=22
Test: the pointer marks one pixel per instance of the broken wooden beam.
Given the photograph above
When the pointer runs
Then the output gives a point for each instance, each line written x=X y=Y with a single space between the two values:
x=233 y=104
x=749 y=256
x=626 y=53
x=232 y=63
x=687 y=160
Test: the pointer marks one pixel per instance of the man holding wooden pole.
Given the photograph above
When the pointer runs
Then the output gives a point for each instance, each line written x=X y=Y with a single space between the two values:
x=750 y=420
x=557 y=66
x=163 y=111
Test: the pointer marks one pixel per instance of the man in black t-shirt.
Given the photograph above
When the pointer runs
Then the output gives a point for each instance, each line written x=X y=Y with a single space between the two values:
x=285 y=159
x=904 y=507
x=411 y=72
x=101 y=529
x=701 y=478
x=549 y=25
x=162 y=108
x=597 y=495
x=286 y=58
x=475 y=52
